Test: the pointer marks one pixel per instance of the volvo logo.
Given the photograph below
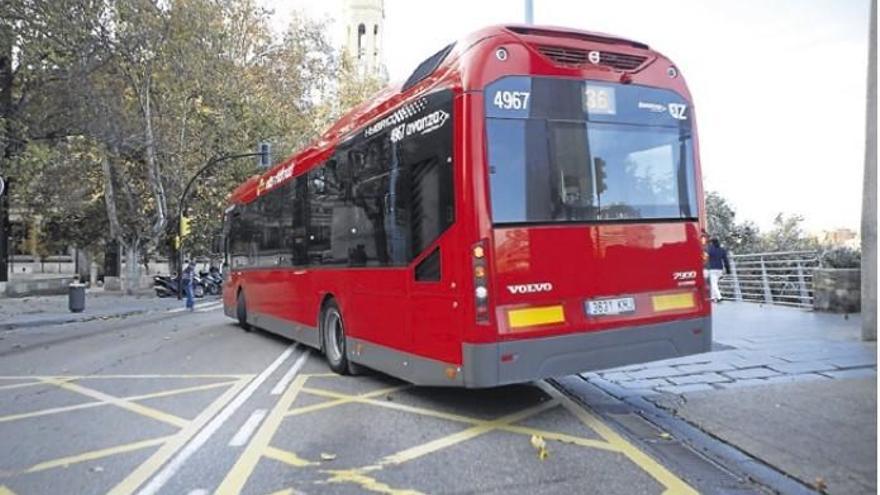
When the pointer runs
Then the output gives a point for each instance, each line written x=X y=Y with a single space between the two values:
x=530 y=288
x=594 y=57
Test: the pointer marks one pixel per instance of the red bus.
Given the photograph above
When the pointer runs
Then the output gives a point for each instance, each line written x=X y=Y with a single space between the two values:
x=526 y=205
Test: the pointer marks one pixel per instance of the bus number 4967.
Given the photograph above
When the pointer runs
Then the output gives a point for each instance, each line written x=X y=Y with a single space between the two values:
x=511 y=100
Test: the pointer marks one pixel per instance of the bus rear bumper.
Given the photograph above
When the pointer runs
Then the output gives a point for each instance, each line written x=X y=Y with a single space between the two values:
x=516 y=361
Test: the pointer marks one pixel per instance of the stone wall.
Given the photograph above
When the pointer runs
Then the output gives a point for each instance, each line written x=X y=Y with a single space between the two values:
x=42 y=286
x=837 y=290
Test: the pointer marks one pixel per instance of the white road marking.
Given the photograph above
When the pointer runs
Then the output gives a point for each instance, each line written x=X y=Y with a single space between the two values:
x=281 y=386
x=198 y=491
x=247 y=429
x=210 y=307
x=199 y=307
x=205 y=434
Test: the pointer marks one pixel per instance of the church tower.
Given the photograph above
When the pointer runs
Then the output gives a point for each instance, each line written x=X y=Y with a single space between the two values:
x=364 y=32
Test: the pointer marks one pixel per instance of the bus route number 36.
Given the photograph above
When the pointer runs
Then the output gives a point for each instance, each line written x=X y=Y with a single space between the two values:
x=511 y=100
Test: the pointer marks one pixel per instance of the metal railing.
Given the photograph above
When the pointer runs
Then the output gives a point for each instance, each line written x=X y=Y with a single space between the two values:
x=784 y=278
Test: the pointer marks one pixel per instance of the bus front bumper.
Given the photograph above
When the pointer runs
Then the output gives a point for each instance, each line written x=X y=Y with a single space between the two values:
x=516 y=361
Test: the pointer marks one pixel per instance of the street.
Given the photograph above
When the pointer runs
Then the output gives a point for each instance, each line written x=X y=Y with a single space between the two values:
x=173 y=402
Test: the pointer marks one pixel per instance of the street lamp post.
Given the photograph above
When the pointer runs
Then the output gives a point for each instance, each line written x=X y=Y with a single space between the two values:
x=264 y=154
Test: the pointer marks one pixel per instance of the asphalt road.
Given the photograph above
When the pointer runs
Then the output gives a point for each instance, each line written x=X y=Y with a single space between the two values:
x=182 y=403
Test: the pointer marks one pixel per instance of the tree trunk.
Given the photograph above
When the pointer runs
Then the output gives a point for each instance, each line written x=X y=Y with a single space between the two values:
x=155 y=175
x=110 y=199
x=133 y=267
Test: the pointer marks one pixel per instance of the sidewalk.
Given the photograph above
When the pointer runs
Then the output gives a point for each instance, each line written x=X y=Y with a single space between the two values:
x=38 y=311
x=792 y=388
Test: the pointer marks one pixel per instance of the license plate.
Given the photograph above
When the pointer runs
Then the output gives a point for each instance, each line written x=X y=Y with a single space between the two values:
x=601 y=307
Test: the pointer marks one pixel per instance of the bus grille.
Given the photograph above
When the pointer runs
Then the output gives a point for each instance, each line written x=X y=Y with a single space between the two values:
x=575 y=57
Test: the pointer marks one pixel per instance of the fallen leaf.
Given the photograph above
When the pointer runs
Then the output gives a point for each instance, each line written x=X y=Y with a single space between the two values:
x=327 y=457
x=665 y=436
x=820 y=484
x=538 y=442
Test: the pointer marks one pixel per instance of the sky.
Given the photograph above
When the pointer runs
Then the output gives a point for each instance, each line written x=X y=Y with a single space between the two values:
x=778 y=86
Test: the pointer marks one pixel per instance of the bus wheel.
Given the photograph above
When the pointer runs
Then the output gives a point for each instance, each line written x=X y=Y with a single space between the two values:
x=333 y=332
x=241 y=312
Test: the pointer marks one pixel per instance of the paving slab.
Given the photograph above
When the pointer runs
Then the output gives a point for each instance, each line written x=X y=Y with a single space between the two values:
x=751 y=373
x=852 y=373
x=819 y=429
x=698 y=378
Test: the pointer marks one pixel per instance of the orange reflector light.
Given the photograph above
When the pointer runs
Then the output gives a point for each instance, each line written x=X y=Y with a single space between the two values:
x=451 y=372
x=669 y=302
x=529 y=317
x=479 y=252
x=479 y=271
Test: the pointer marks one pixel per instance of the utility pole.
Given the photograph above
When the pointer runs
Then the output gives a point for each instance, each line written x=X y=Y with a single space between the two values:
x=530 y=12
x=264 y=153
x=869 y=193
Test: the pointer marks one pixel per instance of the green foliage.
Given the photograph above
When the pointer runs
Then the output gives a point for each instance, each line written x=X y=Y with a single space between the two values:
x=841 y=257
x=742 y=237
x=788 y=234
x=118 y=103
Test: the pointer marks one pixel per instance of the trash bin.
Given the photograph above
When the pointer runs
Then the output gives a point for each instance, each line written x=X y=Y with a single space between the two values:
x=76 y=297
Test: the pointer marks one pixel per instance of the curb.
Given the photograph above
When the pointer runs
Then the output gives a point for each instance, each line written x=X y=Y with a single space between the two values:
x=67 y=319
x=61 y=320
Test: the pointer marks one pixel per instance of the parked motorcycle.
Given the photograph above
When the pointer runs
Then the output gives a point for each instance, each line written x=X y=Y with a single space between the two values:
x=167 y=286
x=213 y=282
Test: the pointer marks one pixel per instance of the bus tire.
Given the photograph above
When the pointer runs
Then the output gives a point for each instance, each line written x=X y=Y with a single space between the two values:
x=241 y=312
x=333 y=333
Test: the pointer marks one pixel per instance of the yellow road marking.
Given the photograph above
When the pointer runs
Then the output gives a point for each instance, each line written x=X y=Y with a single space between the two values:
x=6 y=491
x=288 y=457
x=342 y=399
x=87 y=405
x=244 y=466
x=358 y=477
x=20 y=385
x=124 y=404
x=560 y=437
x=522 y=430
x=673 y=484
x=472 y=432
x=176 y=442
x=95 y=454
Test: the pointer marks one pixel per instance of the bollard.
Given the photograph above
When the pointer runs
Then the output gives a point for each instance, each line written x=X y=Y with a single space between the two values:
x=76 y=297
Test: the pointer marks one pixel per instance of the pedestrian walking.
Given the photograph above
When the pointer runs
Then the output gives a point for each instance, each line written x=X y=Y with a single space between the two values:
x=189 y=271
x=718 y=265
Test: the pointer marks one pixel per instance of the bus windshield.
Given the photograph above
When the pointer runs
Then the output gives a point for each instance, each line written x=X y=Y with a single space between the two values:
x=579 y=151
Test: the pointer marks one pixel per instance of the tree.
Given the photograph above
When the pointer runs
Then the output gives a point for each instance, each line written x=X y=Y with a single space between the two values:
x=132 y=97
x=788 y=234
x=743 y=237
